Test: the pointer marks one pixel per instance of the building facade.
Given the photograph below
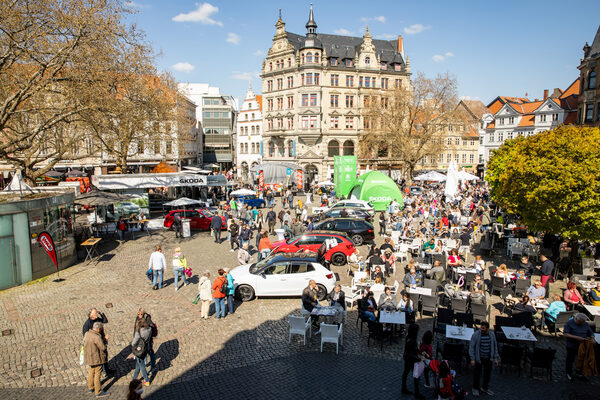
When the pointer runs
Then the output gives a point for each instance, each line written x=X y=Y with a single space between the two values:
x=249 y=146
x=512 y=116
x=314 y=87
x=589 y=69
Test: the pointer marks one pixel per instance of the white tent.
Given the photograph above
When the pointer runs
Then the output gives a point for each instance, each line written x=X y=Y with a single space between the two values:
x=451 y=181
x=243 y=192
x=182 y=202
x=326 y=183
x=465 y=176
x=17 y=184
x=431 y=176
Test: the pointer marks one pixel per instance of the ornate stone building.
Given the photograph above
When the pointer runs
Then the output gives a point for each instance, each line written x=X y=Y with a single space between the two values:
x=249 y=146
x=589 y=92
x=314 y=88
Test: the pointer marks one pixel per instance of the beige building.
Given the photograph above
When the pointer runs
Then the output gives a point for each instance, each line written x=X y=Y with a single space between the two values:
x=314 y=88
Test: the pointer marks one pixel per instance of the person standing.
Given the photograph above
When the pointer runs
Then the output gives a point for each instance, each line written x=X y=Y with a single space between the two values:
x=411 y=356
x=245 y=236
x=219 y=288
x=230 y=290
x=546 y=269
x=142 y=315
x=233 y=207
x=216 y=224
x=177 y=225
x=157 y=264
x=204 y=287
x=271 y=218
x=575 y=332
x=94 y=355
x=264 y=246
x=139 y=349
x=96 y=316
x=483 y=350
x=233 y=234
x=121 y=228
x=179 y=267
x=382 y=224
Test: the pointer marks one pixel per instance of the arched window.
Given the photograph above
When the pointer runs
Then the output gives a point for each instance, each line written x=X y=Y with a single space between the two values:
x=317 y=57
x=302 y=58
x=348 y=148
x=309 y=57
x=270 y=66
x=289 y=62
x=281 y=148
x=271 y=148
x=333 y=148
x=290 y=148
x=367 y=60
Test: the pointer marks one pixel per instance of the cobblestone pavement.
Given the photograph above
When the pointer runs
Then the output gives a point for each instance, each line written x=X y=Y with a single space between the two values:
x=247 y=355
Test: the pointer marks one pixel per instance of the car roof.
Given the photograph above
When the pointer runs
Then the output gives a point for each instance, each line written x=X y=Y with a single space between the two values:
x=324 y=232
x=343 y=219
x=298 y=256
x=353 y=208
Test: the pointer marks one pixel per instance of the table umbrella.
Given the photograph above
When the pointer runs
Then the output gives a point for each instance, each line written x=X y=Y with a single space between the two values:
x=100 y=198
x=182 y=202
x=243 y=192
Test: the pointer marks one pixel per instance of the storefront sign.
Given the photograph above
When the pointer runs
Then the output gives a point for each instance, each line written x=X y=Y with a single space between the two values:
x=142 y=181
x=47 y=243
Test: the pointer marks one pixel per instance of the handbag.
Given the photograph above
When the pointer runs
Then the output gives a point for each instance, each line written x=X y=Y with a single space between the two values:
x=150 y=273
x=188 y=272
x=196 y=299
x=418 y=369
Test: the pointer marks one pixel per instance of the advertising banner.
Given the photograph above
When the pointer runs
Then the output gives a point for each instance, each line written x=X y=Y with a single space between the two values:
x=47 y=243
x=344 y=174
x=261 y=179
x=299 y=179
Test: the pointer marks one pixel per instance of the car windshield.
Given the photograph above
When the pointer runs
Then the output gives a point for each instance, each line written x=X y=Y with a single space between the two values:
x=207 y=213
x=254 y=268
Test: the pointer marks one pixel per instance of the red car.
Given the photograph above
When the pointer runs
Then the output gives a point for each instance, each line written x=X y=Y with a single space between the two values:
x=312 y=241
x=199 y=219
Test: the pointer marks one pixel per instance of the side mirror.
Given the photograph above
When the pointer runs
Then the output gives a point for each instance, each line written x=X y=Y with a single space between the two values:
x=263 y=275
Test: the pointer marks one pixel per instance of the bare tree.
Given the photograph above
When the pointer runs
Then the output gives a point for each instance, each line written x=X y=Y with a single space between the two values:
x=404 y=125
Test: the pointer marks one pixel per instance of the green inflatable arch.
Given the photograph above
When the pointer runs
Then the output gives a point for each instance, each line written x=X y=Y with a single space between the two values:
x=378 y=189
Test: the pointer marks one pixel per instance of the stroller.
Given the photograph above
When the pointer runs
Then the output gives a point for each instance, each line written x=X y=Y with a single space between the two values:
x=441 y=373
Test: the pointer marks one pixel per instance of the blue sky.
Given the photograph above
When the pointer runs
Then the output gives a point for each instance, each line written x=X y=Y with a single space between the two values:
x=493 y=48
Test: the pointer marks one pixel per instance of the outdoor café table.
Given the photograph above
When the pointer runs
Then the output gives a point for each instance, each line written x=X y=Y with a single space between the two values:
x=463 y=270
x=459 y=332
x=420 y=290
x=516 y=333
x=392 y=317
x=540 y=304
x=594 y=310
x=424 y=267
x=329 y=312
x=90 y=247
x=141 y=223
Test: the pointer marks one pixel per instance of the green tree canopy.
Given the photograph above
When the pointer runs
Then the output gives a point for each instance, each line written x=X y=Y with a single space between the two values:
x=551 y=180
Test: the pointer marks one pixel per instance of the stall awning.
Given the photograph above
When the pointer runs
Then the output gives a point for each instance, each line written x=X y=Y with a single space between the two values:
x=146 y=181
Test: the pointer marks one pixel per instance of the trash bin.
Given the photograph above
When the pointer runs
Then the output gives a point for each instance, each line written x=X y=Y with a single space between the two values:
x=280 y=234
x=185 y=227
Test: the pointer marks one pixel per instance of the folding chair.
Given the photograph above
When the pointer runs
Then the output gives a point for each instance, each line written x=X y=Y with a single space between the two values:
x=429 y=304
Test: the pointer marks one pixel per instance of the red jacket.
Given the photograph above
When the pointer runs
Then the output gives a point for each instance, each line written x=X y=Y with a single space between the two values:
x=216 y=287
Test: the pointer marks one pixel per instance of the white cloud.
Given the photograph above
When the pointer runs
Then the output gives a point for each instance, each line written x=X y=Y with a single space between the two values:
x=202 y=15
x=416 y=28
x=380 y=18
x=259 y=53
x=183 y=67
x=245 y=76
x=233 y=38
x=386 y=36
x=342 y=31
x=133 y=4
x=442 y=57
x=469 y=98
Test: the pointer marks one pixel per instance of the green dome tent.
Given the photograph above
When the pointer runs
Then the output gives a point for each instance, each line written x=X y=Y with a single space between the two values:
x=378 y=189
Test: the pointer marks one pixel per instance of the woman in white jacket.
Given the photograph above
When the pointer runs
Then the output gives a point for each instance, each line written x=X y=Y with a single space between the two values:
x=204 y=289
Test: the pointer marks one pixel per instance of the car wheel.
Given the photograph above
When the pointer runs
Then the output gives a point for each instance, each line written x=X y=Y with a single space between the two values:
x=357 y=239
x=245 y=293
x=321 y=292
x=338 y=259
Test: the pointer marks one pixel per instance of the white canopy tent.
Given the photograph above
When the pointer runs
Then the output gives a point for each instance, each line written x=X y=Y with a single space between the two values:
x=243 y=192
x=17 y=184
x=465 y=176
x=431 y=176
x=182 y=202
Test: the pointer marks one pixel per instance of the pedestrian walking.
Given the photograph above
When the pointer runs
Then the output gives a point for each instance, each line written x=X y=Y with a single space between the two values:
x=216 y=224
x=157 y=264
x=177 y=225
x=264 y=246
x=179 y=267
x=271 y=219
x=233 y=207
x=483 y=350
x=136 y=388
x=245 y=236
x=142 y=315
x=204 y=287
x=233 y=234
x=230 y=291
x=94 y=353
x=412 y=355
x=243 y=255
x=96 y=316
x=139 y=349
x=219 y=288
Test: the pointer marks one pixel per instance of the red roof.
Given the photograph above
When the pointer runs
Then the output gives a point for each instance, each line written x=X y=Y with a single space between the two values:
x=259 y=101
x=527 y=120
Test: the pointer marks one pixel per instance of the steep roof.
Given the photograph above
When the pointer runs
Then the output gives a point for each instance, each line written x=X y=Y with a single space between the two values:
x=476 y=107
x=571 y=90
x=595 y=48
x=527 y=120
x=259 y=101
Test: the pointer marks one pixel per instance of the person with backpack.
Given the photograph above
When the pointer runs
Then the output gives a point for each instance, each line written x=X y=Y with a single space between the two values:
x=179 y=267
x=142 y=315
x=219 y=288
x=139 y=349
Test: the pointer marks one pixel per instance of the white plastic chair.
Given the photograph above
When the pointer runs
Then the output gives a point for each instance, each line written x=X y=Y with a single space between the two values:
x=415 y=245
x=299 y=327
x=331 y=334
x=402 y=253
x=304 y=312
x=352 y=296
x=396 y=287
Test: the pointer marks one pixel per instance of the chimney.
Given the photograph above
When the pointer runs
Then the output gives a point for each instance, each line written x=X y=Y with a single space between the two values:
x=400 y=45
x=545 y=94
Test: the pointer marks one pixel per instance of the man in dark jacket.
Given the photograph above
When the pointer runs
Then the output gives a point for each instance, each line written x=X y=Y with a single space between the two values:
x=96 y=316
x=310 y=300
x=233 y=234
x=215 y=224
x=271 y=218
x=177 y=225
x=142 y=314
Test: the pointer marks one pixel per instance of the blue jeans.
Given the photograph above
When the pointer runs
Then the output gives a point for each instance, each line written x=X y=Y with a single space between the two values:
x=140 y=365
x=152 y=359
x=157 y=275
x=370 y=315
x=176 y=273
x=263 y=254
x=220 y=307
x=230 y=303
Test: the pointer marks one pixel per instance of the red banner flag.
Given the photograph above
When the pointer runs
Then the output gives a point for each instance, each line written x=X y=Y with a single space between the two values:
x=261 y=179
x=47 y=243
x=299 y=179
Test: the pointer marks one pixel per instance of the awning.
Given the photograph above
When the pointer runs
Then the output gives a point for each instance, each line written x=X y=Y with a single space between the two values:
x=147 y=181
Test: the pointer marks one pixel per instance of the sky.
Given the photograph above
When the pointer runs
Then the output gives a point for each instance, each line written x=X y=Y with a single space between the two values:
x=509 y=48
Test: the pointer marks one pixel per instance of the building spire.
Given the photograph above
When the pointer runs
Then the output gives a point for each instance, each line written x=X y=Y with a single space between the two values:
x=311 y=25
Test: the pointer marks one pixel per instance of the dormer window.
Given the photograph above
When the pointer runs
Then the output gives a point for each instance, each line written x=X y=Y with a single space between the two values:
x=309 y=57
x=348 y=62
x=367 y=61
x=334 y=61
x=383 y=65
x=397 y=67
x=317 y=58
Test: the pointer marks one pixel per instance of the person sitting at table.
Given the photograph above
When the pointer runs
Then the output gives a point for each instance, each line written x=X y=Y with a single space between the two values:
x=438 y=272
x=454 y=258
x=429 y=246
x=387 y=300
x=476 y=285
x=375 y=259
x=439 y=247
x=310 y=300
x=479 y=264
x=572 y=296
x=406 y=305
x=413 y=279
x=377 y=273
x=372 y=251
x=502 y=272
x=525 y=306
x=557 y=306
x=526 y=266
x=337 y=298
x=367 y=306
x=595 y=293
x=389 y=260
x=355 y=262
x=536 y=291
x=455 y=235
x=388 y=244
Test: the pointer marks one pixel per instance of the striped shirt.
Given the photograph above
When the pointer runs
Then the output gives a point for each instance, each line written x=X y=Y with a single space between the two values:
x=485 y=344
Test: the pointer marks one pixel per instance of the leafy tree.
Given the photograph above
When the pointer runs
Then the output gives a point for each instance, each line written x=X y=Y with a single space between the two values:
x=551 y=180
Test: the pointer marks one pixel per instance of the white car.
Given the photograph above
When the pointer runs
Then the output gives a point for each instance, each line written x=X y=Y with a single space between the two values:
x=361 y=204
x=281 y=274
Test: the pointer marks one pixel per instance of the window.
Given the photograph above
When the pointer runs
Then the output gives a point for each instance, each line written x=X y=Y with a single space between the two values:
x=348 y=148
x=456 y=157
x=349 y=81
x=334 y=100
x=270 y=124
x=397 y=67
x=385 y=102
x=448 y=158
x=480 y=140
x=276 y=269
x=349 y=101
x=300 y=268
x=501 y=137
x=270 y=66
x=309 y=78
x=543 y=118
x=509 y=135
x=290 y=123
x=271 y=148
x=464 y=141
x=304 y=122
x=313 y=99
x=334 y=61
x=269 y=104
x=305 y=100
x=367 y=61
x=290 y=82
x=384 y=83
x=279 y=83
x=492 y=137
x=335 y=122
x=312 y=122
x=471 y=158
x=450 y=128
x=279 y=123
x=309 y=57
x=360 y=81
x=290 y=101
x=440 y=159
x=592 y=80
x=156 y=147
x=140 y=147
x=335 y=80
x=291 y=148
x=316 y=57
x=169 y=147
x=511 y=120
x=280 y=103
x=449 y=141
x=383 y=65
x=349 y=122
x=501 y=121
x=589 y=112
x=464 y=158
x=289 y=62
x=333 y=148
x=554 y=117
x=457 y=141
x=398 y=83
x=269 y=86
x=316 y=79
x=472 y=142
x=367 y=81
x=348 y=62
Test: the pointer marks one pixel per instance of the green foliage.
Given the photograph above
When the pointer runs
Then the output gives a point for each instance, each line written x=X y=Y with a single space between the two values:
x=551 y=180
